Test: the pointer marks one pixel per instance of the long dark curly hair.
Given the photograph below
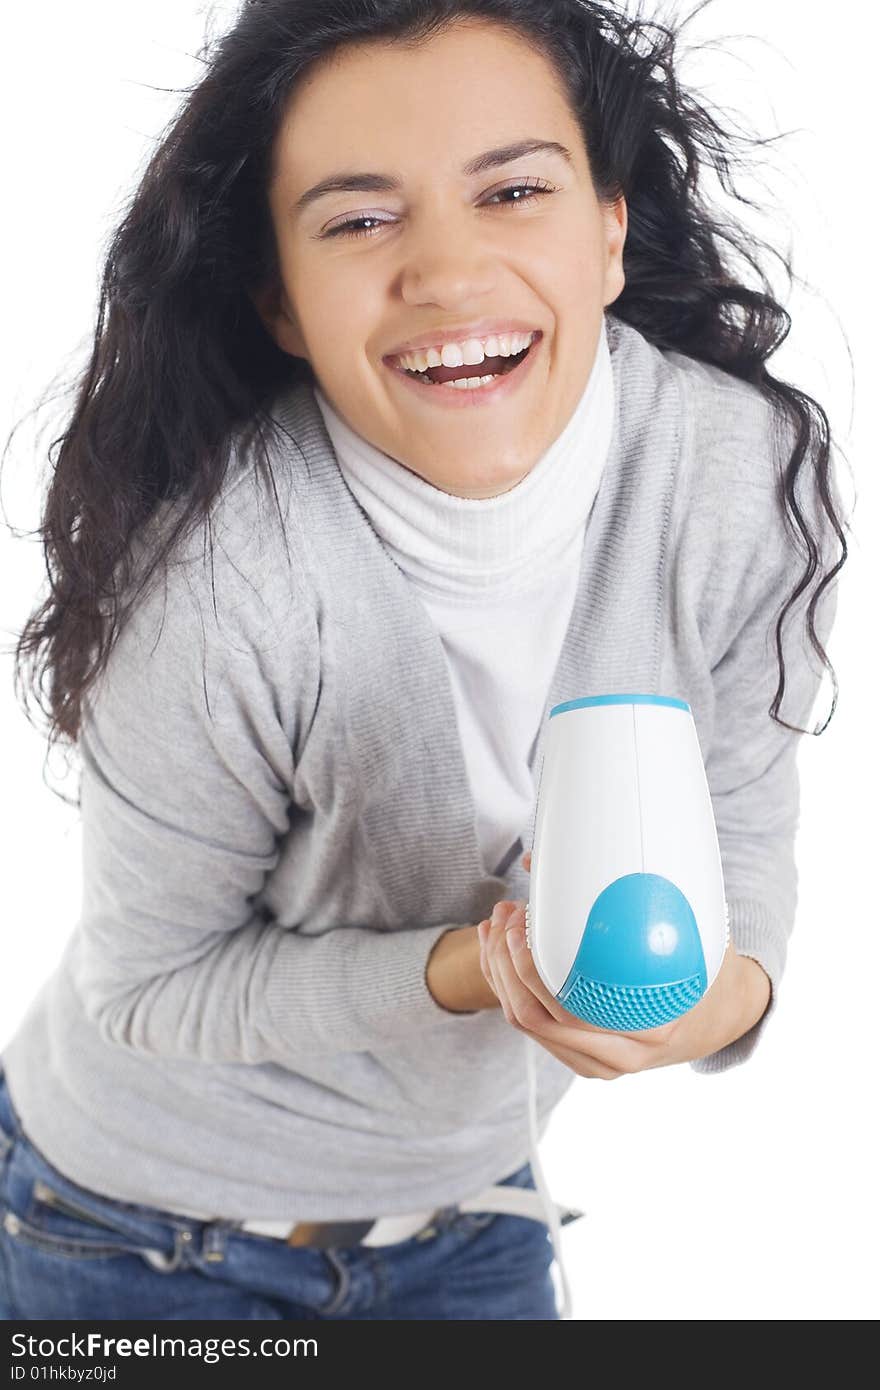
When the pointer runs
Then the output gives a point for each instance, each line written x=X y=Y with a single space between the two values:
x=182 y=365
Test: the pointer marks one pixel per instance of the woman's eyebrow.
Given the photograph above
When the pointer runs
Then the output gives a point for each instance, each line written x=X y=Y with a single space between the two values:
x=387 y=183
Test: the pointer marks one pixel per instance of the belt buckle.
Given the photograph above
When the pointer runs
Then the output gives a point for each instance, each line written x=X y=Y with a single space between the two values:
x=322 y=1234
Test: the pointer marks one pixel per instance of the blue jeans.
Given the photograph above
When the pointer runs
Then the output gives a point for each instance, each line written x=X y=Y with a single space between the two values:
x=67 y=1253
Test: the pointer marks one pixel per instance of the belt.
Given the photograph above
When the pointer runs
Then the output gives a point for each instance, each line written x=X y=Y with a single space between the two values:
x=388 y=1230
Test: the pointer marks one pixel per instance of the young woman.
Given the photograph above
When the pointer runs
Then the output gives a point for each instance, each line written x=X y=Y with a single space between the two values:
x=423 y=399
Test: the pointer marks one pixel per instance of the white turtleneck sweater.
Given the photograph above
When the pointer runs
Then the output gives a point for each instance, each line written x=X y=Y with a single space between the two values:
x=498 y=576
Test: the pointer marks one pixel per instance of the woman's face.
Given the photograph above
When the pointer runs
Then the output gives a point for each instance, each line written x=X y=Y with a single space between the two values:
x=440 y=252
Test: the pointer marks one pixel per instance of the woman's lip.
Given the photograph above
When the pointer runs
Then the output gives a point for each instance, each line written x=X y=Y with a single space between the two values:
x=461 y=397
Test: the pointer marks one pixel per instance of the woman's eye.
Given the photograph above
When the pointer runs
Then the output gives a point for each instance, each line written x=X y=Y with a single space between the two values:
x=529 y=190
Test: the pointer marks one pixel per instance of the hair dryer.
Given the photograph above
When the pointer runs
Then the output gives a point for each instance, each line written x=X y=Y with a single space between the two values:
x=626 y=919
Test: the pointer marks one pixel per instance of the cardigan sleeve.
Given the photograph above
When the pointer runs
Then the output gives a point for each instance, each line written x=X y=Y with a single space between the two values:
x=751 y=765
x=188 y=755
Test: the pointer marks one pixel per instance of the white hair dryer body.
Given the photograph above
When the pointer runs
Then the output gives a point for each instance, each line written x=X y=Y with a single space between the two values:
x=627 y=919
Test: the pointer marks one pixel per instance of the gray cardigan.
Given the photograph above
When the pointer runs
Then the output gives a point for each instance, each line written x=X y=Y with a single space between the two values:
x=277 y=822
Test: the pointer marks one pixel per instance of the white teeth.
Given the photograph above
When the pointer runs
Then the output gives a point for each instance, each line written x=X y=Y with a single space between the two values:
x=461 y=383
x=471 y=352
x=468 y=383
x=451 y=354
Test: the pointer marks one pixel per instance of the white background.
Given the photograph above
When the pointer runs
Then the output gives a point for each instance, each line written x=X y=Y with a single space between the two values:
x=746 y=1195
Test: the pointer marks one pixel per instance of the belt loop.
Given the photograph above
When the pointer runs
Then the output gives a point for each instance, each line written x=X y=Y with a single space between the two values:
x=214 y=1242
x=167 y=1264
x=337 y=1260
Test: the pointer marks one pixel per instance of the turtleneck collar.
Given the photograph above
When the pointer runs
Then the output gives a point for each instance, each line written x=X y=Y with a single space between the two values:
x=467 y=549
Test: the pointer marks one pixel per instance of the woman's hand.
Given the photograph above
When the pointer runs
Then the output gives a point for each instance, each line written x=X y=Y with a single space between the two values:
x=736 y=1001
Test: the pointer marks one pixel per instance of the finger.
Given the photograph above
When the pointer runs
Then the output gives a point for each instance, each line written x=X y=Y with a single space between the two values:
x=577 y=1061
x=622 y=1051
x=514 y=972
x=523 y=965
x=652 y=1036
x=530 y=1009
x=496 y=982
x=482 y=931
x=527 y=859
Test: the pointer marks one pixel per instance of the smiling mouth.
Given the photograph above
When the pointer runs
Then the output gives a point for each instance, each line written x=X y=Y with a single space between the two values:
x=490 y=366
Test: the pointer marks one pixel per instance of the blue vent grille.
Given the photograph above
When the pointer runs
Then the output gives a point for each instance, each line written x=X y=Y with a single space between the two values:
x=630 y=1007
